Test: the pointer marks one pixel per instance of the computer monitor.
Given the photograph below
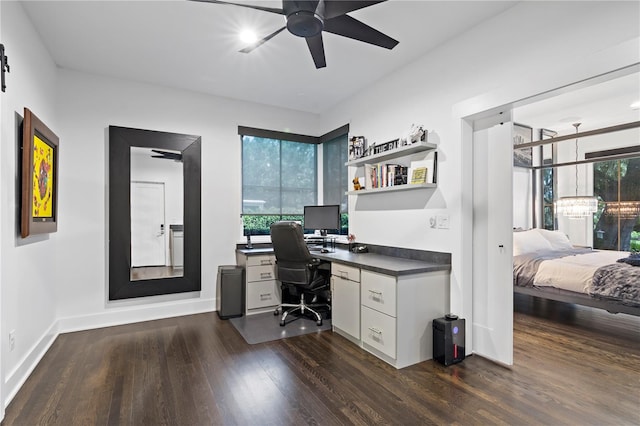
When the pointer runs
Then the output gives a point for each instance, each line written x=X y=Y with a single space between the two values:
x=322 y=218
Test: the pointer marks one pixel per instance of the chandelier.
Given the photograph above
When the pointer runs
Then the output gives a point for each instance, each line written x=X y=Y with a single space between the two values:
x=578 y=206
x=622 y=209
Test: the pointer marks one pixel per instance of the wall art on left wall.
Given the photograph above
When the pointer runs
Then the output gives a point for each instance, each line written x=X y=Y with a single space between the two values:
x=39 y=210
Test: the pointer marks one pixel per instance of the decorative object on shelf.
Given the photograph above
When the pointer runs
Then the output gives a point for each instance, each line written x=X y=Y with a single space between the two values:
x=356 y=184
x=577 y=207
x=384 y=147
x=4 y=67
x=415 y=134
x=357 y=147
x=419 y=175
x=522 y=157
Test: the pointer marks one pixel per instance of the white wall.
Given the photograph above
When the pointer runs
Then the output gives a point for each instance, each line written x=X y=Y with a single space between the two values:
x=529 y=49
x=87 y=105
x=29 y=267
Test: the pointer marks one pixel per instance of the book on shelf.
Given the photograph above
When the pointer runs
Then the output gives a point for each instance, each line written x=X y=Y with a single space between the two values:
x=419 y=175
x=383 y=175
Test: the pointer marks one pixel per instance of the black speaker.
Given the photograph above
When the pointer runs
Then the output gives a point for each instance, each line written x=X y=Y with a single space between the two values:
x=448 y=339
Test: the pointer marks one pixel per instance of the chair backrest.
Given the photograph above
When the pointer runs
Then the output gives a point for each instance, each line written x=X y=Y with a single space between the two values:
x=293 y=259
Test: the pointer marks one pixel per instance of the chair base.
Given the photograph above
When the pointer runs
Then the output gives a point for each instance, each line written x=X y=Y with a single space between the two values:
x=302 y=307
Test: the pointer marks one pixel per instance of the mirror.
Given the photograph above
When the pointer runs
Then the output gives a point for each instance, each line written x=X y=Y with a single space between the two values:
x=157 y=228
x=125 y=146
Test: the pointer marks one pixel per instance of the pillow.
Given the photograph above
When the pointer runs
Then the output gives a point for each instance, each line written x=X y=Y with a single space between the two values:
x=529 y=241
x=557 y=239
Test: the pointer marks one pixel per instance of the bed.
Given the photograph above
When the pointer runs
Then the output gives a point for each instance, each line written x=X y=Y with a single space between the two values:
x=547 y=265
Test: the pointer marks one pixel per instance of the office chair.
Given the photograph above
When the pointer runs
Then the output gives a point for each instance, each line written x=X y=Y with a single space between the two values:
x=298 y=271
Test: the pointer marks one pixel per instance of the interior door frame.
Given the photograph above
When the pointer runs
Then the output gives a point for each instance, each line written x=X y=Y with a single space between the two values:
x=164 y=224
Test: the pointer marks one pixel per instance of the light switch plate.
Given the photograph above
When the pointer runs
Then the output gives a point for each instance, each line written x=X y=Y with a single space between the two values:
x=443 y=221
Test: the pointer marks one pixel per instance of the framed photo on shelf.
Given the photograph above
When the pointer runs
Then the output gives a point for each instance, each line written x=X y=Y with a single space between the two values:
x=522 y=157
x=357 y=147
x=39 y=209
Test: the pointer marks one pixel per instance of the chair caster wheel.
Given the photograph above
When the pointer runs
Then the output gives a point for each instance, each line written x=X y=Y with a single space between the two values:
x=319 y=323
x=276 y=312
x=281 y=323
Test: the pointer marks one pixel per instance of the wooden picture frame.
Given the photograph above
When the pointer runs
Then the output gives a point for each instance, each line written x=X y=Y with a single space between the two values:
x=39 y=209
x=522 y=157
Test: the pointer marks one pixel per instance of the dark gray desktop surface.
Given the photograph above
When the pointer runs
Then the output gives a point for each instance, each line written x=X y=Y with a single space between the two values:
x=388 y=265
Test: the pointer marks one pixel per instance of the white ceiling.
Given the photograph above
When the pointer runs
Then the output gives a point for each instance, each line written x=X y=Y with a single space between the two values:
x=194 y=46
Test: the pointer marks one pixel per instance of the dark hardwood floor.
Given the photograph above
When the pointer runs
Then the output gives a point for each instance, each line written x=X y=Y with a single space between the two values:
x=573 y=365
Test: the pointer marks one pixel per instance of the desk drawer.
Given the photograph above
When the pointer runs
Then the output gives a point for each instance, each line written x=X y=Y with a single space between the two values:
x=263 y=260
x=379 y=292
x=260 y=273
x=262 y=294
x=345 y=272
x=378 y=331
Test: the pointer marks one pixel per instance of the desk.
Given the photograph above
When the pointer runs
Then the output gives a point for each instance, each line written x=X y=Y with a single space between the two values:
x=384 y=304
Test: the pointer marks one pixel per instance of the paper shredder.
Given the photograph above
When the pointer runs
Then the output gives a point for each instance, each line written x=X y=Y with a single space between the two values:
x=230 y=290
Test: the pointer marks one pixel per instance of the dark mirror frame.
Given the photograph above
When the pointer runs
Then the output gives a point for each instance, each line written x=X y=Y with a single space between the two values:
x=121 y=139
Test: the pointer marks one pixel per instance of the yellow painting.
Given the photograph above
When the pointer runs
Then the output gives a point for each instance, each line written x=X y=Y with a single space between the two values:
x=42 y=179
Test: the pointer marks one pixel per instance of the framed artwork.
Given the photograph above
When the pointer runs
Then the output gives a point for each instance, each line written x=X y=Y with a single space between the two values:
x=39 y=213
x=522 y=157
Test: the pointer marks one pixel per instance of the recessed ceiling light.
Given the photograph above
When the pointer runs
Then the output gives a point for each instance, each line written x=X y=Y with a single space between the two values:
x=635 y=105
x=248 y=36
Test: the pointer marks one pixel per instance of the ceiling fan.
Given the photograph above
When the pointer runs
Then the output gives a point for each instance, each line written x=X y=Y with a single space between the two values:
x=167 y=155
x=309 y=18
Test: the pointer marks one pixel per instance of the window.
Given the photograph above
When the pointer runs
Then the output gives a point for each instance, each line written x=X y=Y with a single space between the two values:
x=335 y=177
x=616 y=224
x=279 y=178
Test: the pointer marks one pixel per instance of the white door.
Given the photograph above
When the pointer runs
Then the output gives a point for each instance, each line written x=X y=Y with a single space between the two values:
x=492 y=243
x=147 y=224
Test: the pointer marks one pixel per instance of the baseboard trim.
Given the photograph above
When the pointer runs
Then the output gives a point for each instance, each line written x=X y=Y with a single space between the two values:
x=138 y=313
x=117 y=316
x=16 y=378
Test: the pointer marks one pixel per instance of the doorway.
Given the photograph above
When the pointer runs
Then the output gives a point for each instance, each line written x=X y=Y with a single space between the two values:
x=147 y=224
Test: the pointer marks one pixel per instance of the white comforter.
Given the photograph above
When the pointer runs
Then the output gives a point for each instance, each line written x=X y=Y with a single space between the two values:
x=574 y=272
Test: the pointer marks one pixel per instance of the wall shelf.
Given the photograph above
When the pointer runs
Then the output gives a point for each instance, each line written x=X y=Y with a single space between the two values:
x=394 y=153
x=406 y=187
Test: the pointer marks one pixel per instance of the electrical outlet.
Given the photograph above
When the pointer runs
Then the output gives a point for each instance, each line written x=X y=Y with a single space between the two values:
x=12 y=340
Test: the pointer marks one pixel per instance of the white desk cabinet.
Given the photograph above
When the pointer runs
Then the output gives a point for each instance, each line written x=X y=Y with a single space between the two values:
x=396 y=313
x=345 y=300
x=262 y=288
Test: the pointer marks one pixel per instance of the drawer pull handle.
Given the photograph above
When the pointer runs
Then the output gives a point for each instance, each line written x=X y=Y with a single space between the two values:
x=344 y=274
x=265 y=275
x=376 y=330
x=379 y=293
x=265 y=262
x=265 y=296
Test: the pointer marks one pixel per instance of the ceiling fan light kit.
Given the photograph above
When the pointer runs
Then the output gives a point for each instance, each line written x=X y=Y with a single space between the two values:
x=308 y=19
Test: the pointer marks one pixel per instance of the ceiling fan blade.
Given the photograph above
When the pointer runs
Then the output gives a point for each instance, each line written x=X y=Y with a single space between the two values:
x=261 y=41
x=250 y=6
x=333 y=8
x=316 y=47
x=347 y=26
